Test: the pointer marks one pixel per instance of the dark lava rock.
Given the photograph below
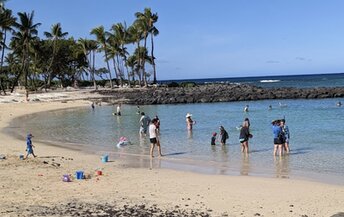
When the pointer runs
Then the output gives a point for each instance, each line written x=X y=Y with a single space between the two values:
x=214 y=93
x=87 y=209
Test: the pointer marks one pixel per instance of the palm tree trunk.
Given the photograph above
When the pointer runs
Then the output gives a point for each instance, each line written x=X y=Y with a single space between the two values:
x=115 y=68
x=144 y=63
x=93 y=70
x=108 y=67
x=51 y=64
x=2 y=62
x=153 y=61
x=128 y=74
x=2 y=87
x=3 y=50
x=21 y=72
x=26 y=66
x=138 y=62
x=119 y=71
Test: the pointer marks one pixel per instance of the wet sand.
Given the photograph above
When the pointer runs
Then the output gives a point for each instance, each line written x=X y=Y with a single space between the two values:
x=34 y=187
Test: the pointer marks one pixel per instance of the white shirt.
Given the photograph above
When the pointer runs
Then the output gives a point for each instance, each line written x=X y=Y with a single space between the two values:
x=118 y=109
x=152 y=131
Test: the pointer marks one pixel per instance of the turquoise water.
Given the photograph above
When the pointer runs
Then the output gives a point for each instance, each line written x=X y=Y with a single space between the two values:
x=316 y=128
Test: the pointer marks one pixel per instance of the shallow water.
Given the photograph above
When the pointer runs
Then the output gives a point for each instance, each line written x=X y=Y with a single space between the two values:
x=316 y=128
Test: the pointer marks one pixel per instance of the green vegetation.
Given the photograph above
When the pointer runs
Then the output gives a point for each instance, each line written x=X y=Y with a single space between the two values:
x=40 y=63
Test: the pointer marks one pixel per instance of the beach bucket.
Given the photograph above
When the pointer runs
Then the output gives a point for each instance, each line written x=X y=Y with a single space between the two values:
x=66 y=178
x=79 y=174
x=105 y=158
x=99 y=172
x=21 y=157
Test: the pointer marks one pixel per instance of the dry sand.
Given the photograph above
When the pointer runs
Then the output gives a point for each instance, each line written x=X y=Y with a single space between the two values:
x=34 y=187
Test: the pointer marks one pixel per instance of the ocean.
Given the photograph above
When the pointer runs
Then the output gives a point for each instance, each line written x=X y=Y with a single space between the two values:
x=316 y=126
x=298 y=81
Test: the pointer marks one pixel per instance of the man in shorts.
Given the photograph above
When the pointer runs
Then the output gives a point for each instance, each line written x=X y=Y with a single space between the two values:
x=144 y=122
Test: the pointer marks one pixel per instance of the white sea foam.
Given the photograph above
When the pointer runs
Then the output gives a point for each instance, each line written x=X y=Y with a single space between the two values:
x=269 y=81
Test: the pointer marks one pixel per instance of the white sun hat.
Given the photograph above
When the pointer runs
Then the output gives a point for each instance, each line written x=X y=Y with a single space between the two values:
x=188 y=115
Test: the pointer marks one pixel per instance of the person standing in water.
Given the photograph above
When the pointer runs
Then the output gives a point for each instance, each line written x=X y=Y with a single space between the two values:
x=224 y=135
x=119 y=109
x=244 y=137
x=278 y=137
x=153 y=137
x=189 y=121
x=29 y=146
x=286 y=133
x=144 y=122
x=213 y=139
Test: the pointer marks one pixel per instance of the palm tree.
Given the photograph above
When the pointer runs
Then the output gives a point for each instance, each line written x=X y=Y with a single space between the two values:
x=2 y=5
x=55 y=35
x=146 y=22
x=153 y=32
x=135 y=36
x=120 y=32
x=100 y=34
x=6 y=23
x=89 y=48
x=93 y=46
x=26 y=32
x=114 y=51
x=132 y=63
x=143 y=53
x=142 y=28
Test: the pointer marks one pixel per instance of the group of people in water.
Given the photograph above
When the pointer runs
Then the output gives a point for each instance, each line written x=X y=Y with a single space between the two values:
x=280 y=133
x=151 y=127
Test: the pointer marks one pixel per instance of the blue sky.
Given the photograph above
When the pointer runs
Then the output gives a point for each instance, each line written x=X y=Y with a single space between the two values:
x=221 y=38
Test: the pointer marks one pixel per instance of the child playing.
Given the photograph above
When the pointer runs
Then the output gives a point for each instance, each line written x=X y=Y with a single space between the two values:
x=29 y=146
x=213 y=139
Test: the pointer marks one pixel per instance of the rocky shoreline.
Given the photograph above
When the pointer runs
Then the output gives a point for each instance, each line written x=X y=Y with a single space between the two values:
x=214 y=93
x=107 y=210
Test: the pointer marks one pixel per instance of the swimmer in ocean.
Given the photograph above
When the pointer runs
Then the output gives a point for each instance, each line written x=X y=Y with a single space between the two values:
x=246 y=108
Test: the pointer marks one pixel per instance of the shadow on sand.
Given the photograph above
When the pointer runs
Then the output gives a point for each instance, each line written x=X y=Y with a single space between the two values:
x=261 y=150
x=174 y=154
x=298 y=151
x=340 y=214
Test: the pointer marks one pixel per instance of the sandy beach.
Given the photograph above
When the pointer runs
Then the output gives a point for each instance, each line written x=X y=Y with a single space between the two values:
x=34 y=187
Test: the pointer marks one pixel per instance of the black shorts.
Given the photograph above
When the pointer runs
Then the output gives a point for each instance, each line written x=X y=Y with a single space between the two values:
x=278 y=141
x=153 y=140
x=242 y=140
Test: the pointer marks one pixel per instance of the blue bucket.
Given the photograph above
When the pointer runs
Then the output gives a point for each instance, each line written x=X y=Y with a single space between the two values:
x=79 y=174
x=105 y=158
x=21 y=157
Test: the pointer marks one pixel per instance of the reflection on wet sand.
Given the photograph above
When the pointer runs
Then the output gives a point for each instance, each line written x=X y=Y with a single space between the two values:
x=245 y=165
x=190 y=134
x=224 y=167
x=282 y=166
x=155 y=163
